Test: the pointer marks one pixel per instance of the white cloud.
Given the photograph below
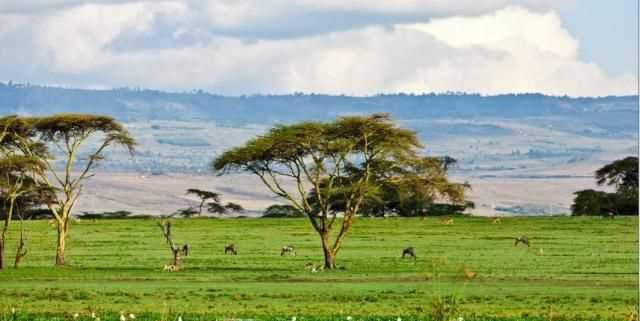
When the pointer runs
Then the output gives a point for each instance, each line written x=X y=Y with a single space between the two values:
x=512 y=49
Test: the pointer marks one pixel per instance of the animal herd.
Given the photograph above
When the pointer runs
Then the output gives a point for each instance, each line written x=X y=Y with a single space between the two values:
x=407 y=253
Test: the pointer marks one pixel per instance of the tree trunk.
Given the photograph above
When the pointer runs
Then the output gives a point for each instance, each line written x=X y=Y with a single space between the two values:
x=177 y=259
x=329 y=255
x=3 y=235
x=20 y=253
x=62 y=237
x=2 y=258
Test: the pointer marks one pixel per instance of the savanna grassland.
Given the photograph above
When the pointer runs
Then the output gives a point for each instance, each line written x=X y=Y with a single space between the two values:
x=576 y=267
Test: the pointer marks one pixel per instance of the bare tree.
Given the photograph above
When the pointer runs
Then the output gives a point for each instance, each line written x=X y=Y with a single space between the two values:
x=177 y=251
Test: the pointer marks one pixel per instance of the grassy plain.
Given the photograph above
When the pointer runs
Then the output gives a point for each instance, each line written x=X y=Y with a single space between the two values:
x=576 y=267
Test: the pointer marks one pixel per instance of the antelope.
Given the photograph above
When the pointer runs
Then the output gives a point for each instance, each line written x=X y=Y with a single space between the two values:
x=313 y=268
x=186 y=249
x=231 y=248
x=288 y=250
x=522 y=239
x=409 y=252
x=169 y=268
x=447 y=221
x=469 y=274
x=496 y=220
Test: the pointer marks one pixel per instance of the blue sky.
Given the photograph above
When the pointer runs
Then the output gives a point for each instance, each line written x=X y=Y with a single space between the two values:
x=608 y=32
x=355 y=47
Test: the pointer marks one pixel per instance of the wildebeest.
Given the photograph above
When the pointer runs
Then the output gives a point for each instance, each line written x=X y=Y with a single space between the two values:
x=409 y=252
x=523 y=239
x=231 y=248
x=288 y=250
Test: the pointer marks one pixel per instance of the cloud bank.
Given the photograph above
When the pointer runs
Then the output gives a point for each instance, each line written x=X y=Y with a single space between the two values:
x=339 y=47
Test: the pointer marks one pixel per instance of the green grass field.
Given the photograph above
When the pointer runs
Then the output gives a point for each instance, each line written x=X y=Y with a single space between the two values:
x=577 y=267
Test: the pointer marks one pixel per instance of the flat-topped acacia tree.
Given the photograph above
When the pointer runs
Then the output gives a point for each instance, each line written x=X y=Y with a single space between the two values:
x=20 y=162
x=68 y=135
x=320 y=156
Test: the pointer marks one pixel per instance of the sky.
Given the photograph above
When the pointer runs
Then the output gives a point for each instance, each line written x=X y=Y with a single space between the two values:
x=352 y=47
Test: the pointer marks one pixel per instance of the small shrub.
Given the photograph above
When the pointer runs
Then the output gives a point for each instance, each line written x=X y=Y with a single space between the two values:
x=444 y=308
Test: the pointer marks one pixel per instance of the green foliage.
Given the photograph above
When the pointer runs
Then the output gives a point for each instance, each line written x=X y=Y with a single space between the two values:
x=592 y=202
x=284 y=211
x=623 y=175
x=105 y=215
x=445 y=308
x=411 y=187
x=68 y=127
x=204 y=195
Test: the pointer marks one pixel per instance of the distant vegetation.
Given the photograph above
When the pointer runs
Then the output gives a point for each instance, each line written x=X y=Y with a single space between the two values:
x=282 y=211
x=623 y=176
x=212 y=202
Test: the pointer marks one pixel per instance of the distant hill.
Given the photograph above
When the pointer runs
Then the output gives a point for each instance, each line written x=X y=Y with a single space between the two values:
x=611 y=114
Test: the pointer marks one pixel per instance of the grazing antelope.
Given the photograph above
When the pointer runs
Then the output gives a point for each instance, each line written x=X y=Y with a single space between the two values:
x=186 y=249
x=523 y=239
x=52 y=223
x=313 y=268
x=496 y=220
x=409 y=252
x=169 y=268
x=231 y=248
x=288 y=250
x=446 y=221
x=469 y=274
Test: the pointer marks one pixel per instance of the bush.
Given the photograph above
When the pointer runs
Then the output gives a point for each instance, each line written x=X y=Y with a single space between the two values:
x=277 y=210
x=105 y=215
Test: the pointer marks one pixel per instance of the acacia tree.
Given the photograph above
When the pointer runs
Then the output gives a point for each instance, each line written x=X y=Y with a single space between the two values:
x=622 y=174
x=214 y=204
x=19 y=164
x=67 y=135
x=15 y=182
x=204 y=196
x=321 y=156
